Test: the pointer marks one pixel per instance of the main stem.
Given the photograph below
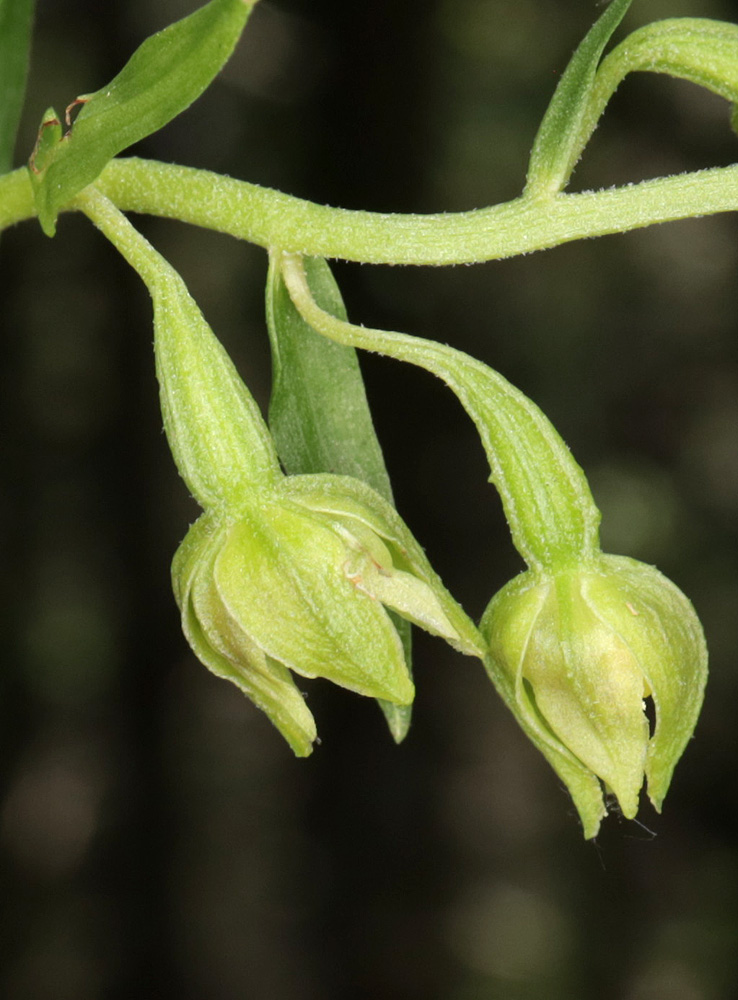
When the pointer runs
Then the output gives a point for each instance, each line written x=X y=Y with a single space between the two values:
x=270 y=218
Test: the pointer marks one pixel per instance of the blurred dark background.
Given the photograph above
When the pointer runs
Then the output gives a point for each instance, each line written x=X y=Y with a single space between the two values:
x=157 y=838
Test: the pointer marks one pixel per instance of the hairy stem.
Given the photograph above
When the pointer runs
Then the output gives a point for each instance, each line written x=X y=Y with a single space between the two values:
x=270 y=218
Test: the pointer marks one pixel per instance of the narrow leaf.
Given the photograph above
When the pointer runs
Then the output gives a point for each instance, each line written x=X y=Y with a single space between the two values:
x=318 y=413
x=565 y=128
x=160 y=80
x=16 y=21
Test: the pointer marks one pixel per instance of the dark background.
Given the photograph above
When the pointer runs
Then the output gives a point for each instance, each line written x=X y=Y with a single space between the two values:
x=158 y=839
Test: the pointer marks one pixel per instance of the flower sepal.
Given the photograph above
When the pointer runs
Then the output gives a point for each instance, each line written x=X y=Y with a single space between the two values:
x=226 y=651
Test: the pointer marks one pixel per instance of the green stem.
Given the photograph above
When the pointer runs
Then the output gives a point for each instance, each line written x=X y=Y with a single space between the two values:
x=271 y=218
x=548 y=505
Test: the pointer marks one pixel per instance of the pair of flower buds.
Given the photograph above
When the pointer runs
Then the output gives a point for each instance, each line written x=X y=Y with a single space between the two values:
x=304 y=574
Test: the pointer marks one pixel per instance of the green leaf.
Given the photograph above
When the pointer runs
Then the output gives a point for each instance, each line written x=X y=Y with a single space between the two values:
x=16 y=22
x=565 y=126
x=162 y=78
x=318 y=412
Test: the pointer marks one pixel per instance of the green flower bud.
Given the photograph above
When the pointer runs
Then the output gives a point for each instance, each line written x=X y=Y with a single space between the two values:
x=280 y=573
x=297 y=578
x=576 y=653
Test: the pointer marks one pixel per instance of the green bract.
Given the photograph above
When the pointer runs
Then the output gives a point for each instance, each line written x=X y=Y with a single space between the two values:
x=319 y=416
x=575 y=653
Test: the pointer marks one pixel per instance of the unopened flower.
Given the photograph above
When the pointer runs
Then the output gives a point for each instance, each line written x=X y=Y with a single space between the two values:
x=297 y=578
x=577 y=653
x=280 y=574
